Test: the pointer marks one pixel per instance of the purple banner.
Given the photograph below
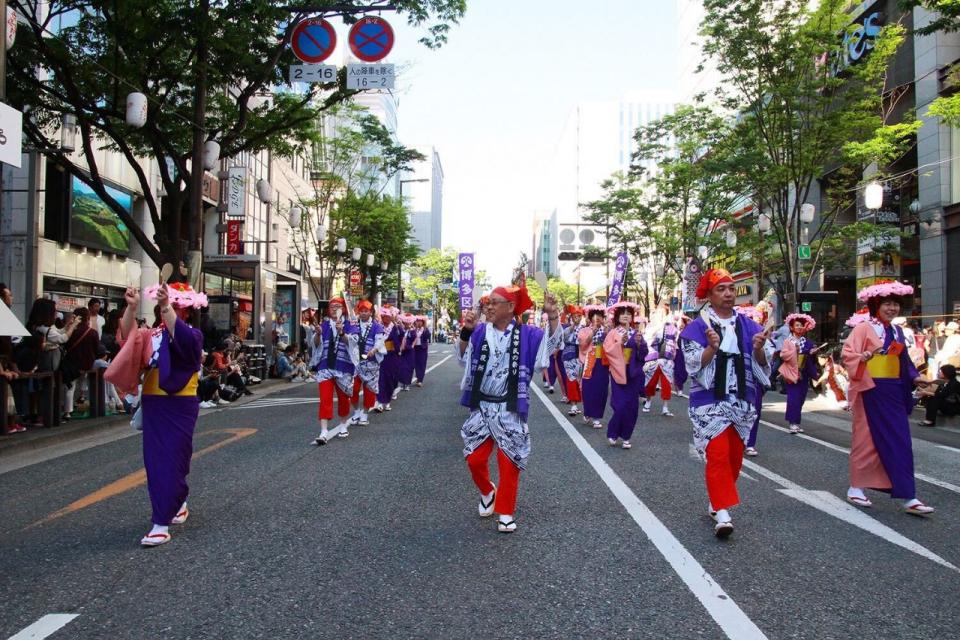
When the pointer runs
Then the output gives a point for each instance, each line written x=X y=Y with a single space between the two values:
x=616 y=287
x=465 y=270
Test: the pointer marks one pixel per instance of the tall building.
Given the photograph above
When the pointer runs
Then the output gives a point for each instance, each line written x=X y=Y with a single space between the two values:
x=543 y=255
x=423 y=190
x=692 y=80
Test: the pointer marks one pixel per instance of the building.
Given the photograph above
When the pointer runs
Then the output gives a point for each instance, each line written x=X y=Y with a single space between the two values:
x=544 y=244
x=423 y=192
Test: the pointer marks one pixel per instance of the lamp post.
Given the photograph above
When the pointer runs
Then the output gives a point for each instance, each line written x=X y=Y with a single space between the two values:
x=400 y=263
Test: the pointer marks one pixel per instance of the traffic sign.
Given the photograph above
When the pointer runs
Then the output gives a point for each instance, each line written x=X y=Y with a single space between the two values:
x=803 y=252
x=371 y=39
x=806 y=306
x=313 y=73
x=370 y=76
x=313 y=40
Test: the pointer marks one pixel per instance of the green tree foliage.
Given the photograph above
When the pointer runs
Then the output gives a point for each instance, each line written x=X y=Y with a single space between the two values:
x=431 y=284
x=165 y=49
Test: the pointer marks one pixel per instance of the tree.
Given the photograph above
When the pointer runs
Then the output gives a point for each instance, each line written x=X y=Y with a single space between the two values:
x=802 y=114
x=214 y=69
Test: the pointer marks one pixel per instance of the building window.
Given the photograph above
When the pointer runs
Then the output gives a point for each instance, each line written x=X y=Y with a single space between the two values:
x=954 y=165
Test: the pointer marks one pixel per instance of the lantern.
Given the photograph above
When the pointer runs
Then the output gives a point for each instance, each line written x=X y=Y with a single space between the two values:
x=341 y=245
x=873 y=196
x=731 y=238
x=357 y=252
x=264 y=191
x=136 y=109
x=763 y=223
x=384 y=265
x=211 y=154
x=68 y=132
x=296 y=216
x=806 y=212
x=321 y=232
x=370 y=259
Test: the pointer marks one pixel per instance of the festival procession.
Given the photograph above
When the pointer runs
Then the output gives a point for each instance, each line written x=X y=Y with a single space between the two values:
x=392 y=319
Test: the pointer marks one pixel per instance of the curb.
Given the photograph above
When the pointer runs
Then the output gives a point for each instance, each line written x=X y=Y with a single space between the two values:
x=40 y=438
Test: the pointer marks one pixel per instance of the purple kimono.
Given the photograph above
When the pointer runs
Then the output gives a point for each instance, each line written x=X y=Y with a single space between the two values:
x=420 y=352
x=169 y=408
x=596 y=387
x=625 y=398
x=797 y=391
x=390 y=367
x=405 y=375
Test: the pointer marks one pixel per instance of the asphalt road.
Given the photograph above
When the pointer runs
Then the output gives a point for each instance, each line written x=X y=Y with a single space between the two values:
x=377 y=536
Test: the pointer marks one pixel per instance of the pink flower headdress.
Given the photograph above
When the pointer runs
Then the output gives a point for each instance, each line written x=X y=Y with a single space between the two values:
x=181 y=295
x=808 y=322
x=884 y=289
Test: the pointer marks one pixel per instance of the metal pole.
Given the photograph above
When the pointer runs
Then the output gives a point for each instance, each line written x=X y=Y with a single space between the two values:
x=199 y=120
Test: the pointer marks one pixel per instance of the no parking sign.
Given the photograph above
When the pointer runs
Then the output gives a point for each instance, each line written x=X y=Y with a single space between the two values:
x=371 y=39
x=313 y=40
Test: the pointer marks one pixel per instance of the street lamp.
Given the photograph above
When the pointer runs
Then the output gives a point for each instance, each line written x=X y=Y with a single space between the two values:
x=806 y=212
x=68 y=132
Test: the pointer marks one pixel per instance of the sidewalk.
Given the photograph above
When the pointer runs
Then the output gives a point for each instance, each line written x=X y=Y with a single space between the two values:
x=76 y=429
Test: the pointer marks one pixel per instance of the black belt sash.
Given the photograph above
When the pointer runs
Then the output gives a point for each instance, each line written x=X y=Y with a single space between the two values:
x=723 y=361
x=513 y=378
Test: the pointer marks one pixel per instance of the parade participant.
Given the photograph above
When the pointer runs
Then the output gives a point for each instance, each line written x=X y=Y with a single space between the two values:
x=421 y=349
x=797 y=366
x=501 y=358
x=570 y=356
x=390 y=365
x=370 y=352
x=882 y=378
x=407 y=359
x=333 y=361
x=550 y=372
x=169 y=357
x=625 y=349
x=661 y=361
x=833 y=382
x=753 y=313
x=595 y=383
x=726 y=357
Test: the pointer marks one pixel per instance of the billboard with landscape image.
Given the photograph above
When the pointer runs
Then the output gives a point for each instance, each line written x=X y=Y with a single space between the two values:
x=94 y=224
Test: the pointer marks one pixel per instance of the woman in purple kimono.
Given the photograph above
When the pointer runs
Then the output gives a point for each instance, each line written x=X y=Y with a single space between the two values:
x=421 y=348
x=798 y=366
x=595 y=381
x=405 y=375
x=169 y=405
x=390 y=366
x=626 y=350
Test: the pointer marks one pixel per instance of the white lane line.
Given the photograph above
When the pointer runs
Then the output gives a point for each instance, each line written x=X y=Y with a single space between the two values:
x=45 y=626
x=721 y=607
x=438 y=364
x=943 y=446
x=943 y=484
x=831 y=505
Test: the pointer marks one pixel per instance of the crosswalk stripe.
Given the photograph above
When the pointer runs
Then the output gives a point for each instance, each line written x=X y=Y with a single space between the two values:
x=45 y=626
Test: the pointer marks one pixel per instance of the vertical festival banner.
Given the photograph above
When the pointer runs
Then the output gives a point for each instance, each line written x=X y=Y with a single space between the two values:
x=465 y=266
x=619 y=275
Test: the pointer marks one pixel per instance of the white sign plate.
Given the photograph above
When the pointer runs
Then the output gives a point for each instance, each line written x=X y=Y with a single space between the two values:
x=236 y=192
x=313 y=73
x=11 y=135
x=370 y=76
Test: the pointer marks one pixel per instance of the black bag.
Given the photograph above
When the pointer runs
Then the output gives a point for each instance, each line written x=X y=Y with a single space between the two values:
x=69 y=371
x=229 y=392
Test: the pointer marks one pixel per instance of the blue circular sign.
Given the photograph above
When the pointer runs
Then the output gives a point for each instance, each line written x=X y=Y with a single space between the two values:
x=371 y=39
x=313 y=40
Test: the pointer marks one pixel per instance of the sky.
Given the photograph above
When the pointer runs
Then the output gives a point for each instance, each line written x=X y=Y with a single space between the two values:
x=494 y=101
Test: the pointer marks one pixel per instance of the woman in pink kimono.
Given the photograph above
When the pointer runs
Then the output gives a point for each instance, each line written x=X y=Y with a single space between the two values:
x=882 y=378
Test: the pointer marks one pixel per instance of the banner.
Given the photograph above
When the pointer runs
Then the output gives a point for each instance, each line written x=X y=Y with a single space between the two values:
x=616 y=287
x=234 y=243
x=356 y=283
x=691 y=278
x=465 y=266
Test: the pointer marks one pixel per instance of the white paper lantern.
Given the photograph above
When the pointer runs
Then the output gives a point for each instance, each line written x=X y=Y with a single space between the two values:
x=296 y=216
x=763 y=223
x=136 y=109
x=264 y=191
x=731 y=238
x=211 y=154
x=321 y=232
x=341 y=245
x=873 y=196
x=370 y=259
x=68 y=132
x=357 y=252
x=703 y=252
x=806 y=212
x=384 y=265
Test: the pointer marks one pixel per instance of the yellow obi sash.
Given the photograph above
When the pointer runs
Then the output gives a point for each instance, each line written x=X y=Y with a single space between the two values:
x=627 y=352
x=151 y=385
x=801 y=360
x=884 y=366
x=598 y=351
x=389 y=345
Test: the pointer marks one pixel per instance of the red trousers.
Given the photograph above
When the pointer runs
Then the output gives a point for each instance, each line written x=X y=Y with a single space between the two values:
x=573 y=391
x=506 y=500
x=664 y=386
x=369 y=397
x=326 y=401
x=724 y=459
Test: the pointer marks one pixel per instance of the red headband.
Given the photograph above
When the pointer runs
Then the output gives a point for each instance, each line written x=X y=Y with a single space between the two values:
x=364 y=305
x=710 y=279
x=517 y=295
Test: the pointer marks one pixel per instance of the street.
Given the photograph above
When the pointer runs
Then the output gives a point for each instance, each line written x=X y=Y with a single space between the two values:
x=377 y=535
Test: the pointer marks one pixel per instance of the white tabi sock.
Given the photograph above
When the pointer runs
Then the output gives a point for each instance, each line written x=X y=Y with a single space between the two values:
x=159 y=528
x=855 y=492
x=723 y=516
x=911 y=503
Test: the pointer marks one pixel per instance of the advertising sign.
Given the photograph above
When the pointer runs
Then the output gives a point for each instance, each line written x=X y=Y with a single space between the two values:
x=236 y=192
x=94 y=224
x=619 y=275
x=234 y=242
x=11 y=135
x=356 y=283
x=466 y=279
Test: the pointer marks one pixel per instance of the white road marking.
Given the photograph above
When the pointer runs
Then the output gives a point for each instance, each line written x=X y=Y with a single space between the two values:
x=721 y=607
x=943 y=484
x=943 y=446
x=438 y=364
x=45 y=626
x=831 y=505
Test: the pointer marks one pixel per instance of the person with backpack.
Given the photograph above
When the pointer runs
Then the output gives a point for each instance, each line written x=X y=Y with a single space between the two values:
x=945 y=399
